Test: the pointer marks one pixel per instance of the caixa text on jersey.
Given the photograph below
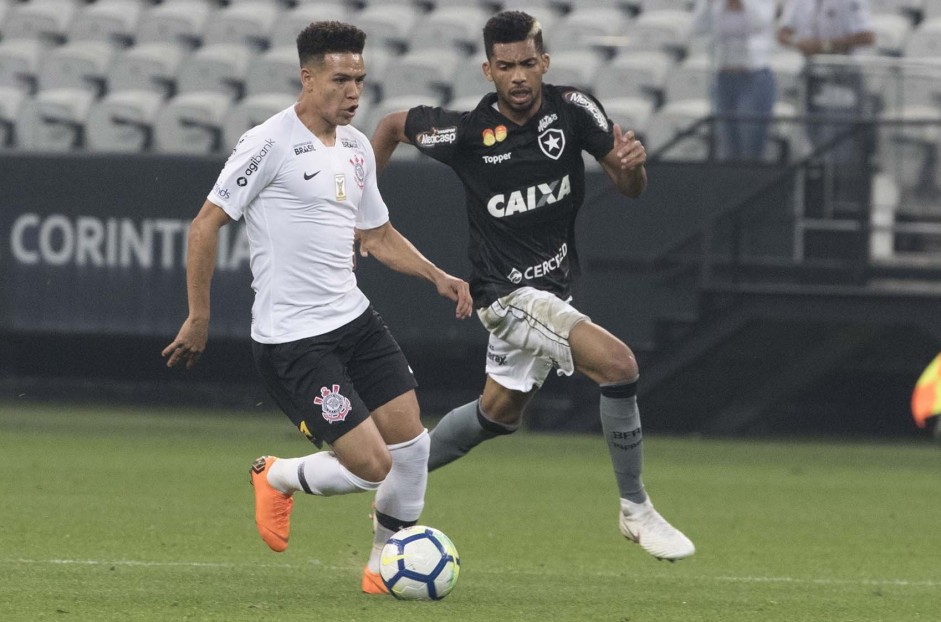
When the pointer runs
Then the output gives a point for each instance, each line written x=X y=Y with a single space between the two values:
x=533 y=197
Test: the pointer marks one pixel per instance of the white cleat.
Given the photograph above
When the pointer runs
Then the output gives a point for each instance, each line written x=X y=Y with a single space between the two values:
x=642 y=524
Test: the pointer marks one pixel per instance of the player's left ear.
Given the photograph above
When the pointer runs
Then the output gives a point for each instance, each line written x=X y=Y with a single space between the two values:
x=307 y=79
x=545 y=63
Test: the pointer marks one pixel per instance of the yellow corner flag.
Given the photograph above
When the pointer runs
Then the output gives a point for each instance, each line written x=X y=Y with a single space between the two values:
x=926 y=399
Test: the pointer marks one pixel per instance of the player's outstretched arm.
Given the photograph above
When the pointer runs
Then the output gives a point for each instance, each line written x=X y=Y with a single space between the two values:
x=203 y=239
x=389 y=133
x=624 y=164
x=390 y=247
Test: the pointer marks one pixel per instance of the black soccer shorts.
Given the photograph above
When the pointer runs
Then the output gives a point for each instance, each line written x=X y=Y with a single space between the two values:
x=328 y=384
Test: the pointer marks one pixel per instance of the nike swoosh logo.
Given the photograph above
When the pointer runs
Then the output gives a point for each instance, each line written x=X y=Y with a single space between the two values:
x=311 y=176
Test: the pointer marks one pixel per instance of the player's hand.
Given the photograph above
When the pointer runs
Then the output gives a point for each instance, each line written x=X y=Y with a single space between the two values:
x=631 y=152
x=189 y=345
x=457 y=290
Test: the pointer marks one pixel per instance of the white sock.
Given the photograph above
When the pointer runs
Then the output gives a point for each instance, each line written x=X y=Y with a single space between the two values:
x=402 y=495
x=321 y=472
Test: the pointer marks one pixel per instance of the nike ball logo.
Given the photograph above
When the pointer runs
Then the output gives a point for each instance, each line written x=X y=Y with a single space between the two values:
x=311 y=176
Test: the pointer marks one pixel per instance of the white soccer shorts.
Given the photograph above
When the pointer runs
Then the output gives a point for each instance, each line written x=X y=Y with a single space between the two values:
x=529 y=335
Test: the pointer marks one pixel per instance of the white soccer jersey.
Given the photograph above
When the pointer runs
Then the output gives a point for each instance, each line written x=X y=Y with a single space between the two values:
x=301 y=201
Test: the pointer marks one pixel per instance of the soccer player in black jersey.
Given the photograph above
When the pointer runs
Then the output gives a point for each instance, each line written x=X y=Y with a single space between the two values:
x=519 y=156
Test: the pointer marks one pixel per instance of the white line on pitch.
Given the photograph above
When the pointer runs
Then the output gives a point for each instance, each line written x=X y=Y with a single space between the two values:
x=319 y=564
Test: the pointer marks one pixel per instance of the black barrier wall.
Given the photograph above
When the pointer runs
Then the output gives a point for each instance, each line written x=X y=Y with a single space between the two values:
x=92 y=277
x=97 y=245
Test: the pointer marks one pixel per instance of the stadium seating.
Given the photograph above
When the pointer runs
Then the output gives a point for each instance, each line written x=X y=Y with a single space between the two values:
x=19 y=63
x=175 y=21
x=4 y=7
x=394 y=104
x=274 y=71
x=931 y=9
x=46 y=20
x=388 y=24
x=886 y=197
x=575 y=68
x=82 y=64
x=691 y=79
x=635 y=73
x=906 y=150
x=244 y=23
x=110 y=21
x=453 y=27
x=420 y=73
x=669 y=5
x=123 y=121
x=148 y=66
x=631 y=113
x=466 y=102
x=906 y=8
x=665 y=29
x=12 y=100
x=251 y=111
x=54 y=120
x=588 y=29
x=925 y=41
x=892 y=32
x=192 y=123
x=291 y=22
x=673 y=119
x=143 y=61
x=221 y=68
x=468 y=78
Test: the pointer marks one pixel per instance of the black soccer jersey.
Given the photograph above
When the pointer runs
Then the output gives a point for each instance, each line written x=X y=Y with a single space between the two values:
x=524 y=184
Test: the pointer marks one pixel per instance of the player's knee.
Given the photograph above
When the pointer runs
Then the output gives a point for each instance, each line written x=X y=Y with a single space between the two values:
x=621 y=366
x=373 y=468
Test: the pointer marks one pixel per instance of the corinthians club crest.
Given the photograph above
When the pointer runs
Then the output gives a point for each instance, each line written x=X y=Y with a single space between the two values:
x=552 y=142
x=335 y=406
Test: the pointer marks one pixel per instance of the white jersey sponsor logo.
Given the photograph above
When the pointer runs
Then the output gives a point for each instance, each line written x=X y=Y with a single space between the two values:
x=503 y=157
x=259 y=157
x=528 y=199
x=582 y=101
x=546 y=121
x=437 y=136
x=545 y=267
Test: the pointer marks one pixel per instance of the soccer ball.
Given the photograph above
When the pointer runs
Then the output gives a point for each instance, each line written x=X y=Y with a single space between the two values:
x=419 y=563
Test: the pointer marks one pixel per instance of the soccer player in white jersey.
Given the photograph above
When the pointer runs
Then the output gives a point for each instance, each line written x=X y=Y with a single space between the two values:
x=519 y=156
x=305 y=183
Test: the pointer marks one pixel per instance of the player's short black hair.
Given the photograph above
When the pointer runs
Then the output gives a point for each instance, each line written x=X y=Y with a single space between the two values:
x=321 y=38
x=510 y=27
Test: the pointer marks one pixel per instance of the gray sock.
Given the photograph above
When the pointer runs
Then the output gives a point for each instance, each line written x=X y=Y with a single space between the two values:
x=459 y=431
x=620 y=420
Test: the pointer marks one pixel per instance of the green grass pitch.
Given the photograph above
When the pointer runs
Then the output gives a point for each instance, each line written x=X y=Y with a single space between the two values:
x=138 y=514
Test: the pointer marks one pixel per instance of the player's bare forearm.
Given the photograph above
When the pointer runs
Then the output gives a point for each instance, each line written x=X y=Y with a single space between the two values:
x=202 y=241
x=389 y=133
x=396 y=252
x=633 y=182
x=201 y=251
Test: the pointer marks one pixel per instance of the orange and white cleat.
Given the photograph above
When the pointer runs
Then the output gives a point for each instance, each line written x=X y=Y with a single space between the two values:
x=272 y=507
x=372 y=583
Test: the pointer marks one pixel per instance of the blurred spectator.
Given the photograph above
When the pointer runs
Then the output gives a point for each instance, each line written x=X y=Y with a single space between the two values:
x=826 y=32
x=826 y=26
x=829 y=27
x=743 y=38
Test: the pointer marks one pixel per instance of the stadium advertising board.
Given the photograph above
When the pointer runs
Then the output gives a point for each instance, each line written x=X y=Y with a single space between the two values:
x=98 y=245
